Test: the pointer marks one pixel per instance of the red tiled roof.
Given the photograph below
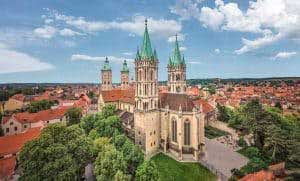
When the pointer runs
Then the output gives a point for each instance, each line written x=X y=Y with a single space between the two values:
x=44 y=115
x=13 y=143
x=126 y=95
x=19 y=97
x=174 y=101
x=205 y=105
x=259 y=176
x=7 y=167
x=194 y=91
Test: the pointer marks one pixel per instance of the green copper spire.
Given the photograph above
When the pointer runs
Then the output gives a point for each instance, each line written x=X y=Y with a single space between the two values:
x=125 y=67
x=137 y=56
x=176 y=57
x=146 y=51
x=183 y=60
x=106 y=65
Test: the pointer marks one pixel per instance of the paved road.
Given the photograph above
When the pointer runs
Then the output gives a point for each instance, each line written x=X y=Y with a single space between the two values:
x=223 y=159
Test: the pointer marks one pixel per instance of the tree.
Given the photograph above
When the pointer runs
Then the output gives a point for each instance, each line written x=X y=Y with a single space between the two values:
x=109 y=126
x=147 y=172
x=101 y=145
x=87 y=123
x=60 y=153
x=108 y=164
x=276 y=141
x=37 y=106
x=278 y=105
x=120 y=176
x=73 y=115
x=256 y=120
x=91 y=94
x=223 y=113
x=108 y=110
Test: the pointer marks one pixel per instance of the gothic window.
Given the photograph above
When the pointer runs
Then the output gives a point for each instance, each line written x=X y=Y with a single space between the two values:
x=177 y=89
x=177 y=77
x=187 y=132
x=174 y=130
x=151 y=75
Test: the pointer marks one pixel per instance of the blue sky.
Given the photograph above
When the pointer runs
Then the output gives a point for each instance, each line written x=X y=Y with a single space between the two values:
x=67 y=41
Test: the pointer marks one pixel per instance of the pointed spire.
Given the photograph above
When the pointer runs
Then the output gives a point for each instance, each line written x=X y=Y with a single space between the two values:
x=177 y=56
x=125 y=67
x=106 y=65
x=137 y=56
x=146 y=50
x=183 y=60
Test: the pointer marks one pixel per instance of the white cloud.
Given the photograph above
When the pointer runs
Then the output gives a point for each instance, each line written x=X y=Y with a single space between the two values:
x=180 y=37
x=182 y=49
x=195 y=62
x=157 y=27
x=217 y=50
x=68 y=32
x=78 y=57
x=46 y=32
x=12 y=61
x=186 y=8
x=48 y=21
x=128 y=53
x=274 y=20
x=250 y=45
x=284 y=55
x=211 y=18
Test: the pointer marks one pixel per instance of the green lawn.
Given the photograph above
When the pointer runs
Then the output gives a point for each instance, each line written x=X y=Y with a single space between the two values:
x=171 y=170
x=211 y=132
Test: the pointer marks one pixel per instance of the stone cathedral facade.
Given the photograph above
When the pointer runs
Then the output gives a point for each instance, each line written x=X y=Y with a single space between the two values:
x=170 y=122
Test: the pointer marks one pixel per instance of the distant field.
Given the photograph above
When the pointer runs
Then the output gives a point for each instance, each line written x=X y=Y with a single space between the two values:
x=171 y=170
x=211 y=132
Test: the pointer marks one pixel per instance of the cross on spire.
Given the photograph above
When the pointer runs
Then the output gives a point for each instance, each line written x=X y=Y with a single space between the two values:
x=146 y=21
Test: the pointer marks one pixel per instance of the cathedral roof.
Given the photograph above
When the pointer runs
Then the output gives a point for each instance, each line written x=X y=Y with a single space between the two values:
x=146 y=50
x=125 y=67
x=174 y=101
x=106 y=65
x=114 y=95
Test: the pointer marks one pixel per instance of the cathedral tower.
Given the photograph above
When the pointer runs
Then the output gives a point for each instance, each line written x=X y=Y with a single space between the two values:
x=176 y=71
x=106 y=76
x=146 y=115
x=125 y=76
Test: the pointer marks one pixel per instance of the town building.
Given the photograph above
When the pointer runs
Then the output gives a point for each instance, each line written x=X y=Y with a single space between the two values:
x=21 y=122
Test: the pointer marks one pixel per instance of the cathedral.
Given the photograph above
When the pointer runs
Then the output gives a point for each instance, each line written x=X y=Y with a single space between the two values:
x=169 y=121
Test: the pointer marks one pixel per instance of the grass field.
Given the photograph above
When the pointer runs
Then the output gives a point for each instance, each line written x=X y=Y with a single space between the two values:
x=211 y=132
x=171 y=170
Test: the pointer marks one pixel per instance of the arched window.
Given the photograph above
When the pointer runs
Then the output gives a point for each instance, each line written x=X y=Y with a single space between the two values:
x=187 y=132
x=174 y=130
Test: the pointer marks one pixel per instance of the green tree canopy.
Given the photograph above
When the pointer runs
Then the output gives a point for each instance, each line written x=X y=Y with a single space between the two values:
x=87 y=123
x=147 y=172
x=37 y=106
x=73 y=115
x=61 y=153
x=108 y=164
